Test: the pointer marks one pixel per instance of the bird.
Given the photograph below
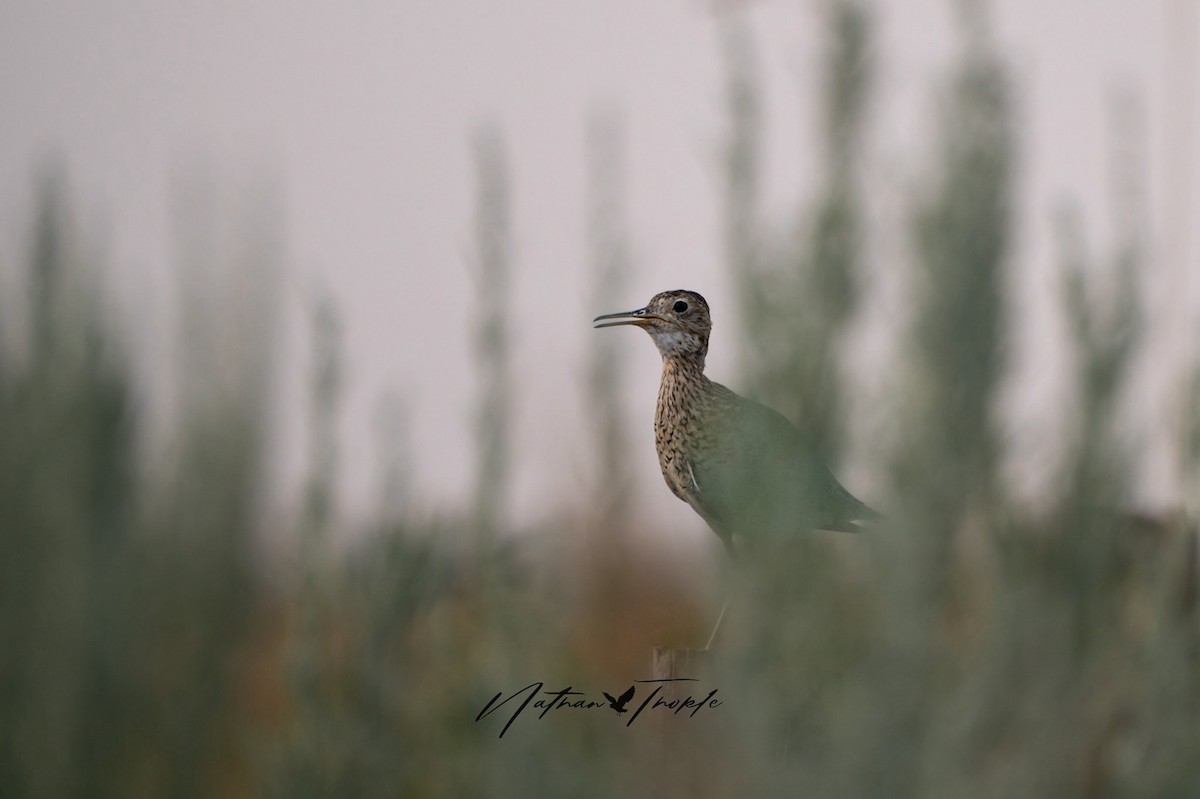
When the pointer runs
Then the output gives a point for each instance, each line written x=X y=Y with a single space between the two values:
x=618 y=704
x=743 y=467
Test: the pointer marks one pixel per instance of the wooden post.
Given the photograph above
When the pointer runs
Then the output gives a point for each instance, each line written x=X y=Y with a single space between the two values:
x=673 y=664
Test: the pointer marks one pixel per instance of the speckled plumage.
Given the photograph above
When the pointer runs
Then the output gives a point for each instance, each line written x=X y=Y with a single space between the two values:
x=743 y=467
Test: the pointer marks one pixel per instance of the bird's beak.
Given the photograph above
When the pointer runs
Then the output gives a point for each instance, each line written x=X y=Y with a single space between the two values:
x=641 y=318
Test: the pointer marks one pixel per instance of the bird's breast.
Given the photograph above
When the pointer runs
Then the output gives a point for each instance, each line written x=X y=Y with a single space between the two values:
x=679 y=429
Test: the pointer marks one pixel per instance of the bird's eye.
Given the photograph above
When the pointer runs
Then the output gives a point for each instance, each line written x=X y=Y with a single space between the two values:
x=680 y=306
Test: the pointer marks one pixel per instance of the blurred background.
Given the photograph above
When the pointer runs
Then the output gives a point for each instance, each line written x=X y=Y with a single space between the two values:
x=309 y=449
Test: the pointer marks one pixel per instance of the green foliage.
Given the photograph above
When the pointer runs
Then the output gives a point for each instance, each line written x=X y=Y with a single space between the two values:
x=966 y=646
x=962 y=230
x=154 y=646
x=797 y=299
x=125 y=594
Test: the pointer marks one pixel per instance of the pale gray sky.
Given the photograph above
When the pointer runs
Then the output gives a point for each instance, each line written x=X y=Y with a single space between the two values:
x=362 y=113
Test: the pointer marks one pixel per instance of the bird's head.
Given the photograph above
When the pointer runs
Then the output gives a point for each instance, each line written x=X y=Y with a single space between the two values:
x=678 y=321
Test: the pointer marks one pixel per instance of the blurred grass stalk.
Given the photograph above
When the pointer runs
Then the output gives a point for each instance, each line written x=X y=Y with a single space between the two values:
x=493 y=235
x=610 y=270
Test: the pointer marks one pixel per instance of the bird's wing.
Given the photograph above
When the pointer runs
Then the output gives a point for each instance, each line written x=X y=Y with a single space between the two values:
x=609 y=698
x=705 y=497
x=625 y=697
x=713 y=493
x=760 y=471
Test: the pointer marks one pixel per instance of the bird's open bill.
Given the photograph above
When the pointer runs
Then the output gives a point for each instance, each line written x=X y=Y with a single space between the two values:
x=639 y=317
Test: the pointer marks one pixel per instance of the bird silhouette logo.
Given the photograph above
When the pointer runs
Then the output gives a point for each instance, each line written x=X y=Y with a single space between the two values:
x=619 y=704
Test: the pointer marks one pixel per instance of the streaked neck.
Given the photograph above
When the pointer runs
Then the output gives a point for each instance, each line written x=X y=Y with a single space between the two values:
x=684 y=366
